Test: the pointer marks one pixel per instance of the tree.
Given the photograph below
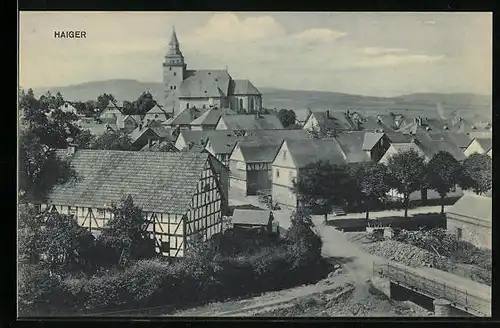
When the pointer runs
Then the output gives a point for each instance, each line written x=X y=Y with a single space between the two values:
x=84 y=139
x=407 y=172
x=129 y=108
x=104 y=99
x=125 y=229
x=65 y=246
x=373 y=180
x=321 y=185
x=39 y=167
x=29 y=231
x=144 y=103
x=287 y=117
x=476 y=174
x=443 y=171
x=112 y=141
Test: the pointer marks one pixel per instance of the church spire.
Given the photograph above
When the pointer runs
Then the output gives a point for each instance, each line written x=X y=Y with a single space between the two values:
x=173 y=45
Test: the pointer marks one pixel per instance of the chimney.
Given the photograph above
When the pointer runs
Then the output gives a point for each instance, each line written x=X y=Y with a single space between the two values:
x=140 y=126
x=445 y=127
x=149 y=143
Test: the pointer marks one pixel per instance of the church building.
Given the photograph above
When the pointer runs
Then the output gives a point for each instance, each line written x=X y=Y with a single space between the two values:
x=204 y=89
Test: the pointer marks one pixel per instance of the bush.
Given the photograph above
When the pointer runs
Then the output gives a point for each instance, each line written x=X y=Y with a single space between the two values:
x=41 y=293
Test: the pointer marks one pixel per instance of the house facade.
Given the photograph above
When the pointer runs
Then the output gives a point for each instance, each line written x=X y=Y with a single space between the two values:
x=470 y=219
x=68 y=107
x=156 y=113
x=292 y=157
x=180 y=206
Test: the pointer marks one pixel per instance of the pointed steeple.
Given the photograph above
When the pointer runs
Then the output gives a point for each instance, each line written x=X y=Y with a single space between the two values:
x=173 y=45
x=173 y=38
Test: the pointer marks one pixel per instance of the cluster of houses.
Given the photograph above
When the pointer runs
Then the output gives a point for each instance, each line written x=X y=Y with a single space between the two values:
x=188 y=166
x=211 y=140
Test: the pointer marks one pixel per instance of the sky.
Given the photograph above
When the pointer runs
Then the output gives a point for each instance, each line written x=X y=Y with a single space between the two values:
x=378 y=54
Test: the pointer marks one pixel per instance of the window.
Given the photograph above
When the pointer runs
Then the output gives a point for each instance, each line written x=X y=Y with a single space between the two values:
x=65 y=105
x=175 y=87
x=175 y=73
x=284 y=155
x=241 y=104
x=277 y=173
x=171 y=87
x=187 y=105
x=101 y=213
x=290 y=177
x=459 y=233
x=156 y=115
x=165 y=246
x=170 y=68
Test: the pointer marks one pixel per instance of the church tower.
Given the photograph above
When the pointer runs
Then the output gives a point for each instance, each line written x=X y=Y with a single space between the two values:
x=174 y=70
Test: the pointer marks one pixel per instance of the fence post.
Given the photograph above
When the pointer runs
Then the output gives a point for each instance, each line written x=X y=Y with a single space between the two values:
x=466 y=302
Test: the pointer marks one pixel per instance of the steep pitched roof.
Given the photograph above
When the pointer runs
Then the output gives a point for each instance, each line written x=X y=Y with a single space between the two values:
x=257 y=149
x=163 y=132
x=223 y=143
x=138 y=132
x=280 y=134
x=243 y=87
x=485 y=143
x=462 y=140
x=302 y=114
x=252 y=122
x=212 y=115
x=250 y=217
x=157 y=145
x=397 y=137
x=473 y=206
x=332 y=120
x=305 y=152
x=351 y=144
x=432 y=143
x=205 y=83
x=370 y=139
x=157 y=181
x=186 y=116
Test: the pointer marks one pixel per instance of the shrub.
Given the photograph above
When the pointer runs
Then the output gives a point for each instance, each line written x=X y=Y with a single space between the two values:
x=41 y=293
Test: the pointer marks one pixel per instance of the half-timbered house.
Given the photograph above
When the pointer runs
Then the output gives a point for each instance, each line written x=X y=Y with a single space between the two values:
x=179 y=194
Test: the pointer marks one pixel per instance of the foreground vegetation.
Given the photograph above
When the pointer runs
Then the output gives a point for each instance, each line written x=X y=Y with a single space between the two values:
x=231 y=264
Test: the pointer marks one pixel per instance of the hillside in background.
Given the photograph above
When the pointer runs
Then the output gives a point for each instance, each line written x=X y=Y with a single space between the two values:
x=463 y=103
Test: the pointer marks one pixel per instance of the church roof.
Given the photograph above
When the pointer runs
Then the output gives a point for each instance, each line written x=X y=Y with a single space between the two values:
x=211 y=116
x=243 y=87
x=205 y=83
x=252 y=122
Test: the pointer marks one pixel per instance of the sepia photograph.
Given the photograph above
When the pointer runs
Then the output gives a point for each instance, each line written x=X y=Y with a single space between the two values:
x=254 y=164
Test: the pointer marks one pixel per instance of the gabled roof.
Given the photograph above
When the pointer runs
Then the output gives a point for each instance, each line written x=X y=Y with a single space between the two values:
x=205 y=83
x=351 y=144
x=485 y=143
x=98 y=129
x=280 y=134
x=370 y=139
x=162 y=182
x=305 y=152
x=138 y=132
x=252 y=122
x=397 y=137
x=472 y=206
x=223 y=143
x=432 y=143
x=158 y=145
x=163 y=132
x=332 y=120
x=302 y=114
x=156 y=109
x=212 y=115
x=186 y=116
x=242 y=87
x=259 y=149
x=462 y=140
x=250 y=217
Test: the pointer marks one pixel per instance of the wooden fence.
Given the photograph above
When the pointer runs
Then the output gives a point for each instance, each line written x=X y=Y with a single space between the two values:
x=460 y=298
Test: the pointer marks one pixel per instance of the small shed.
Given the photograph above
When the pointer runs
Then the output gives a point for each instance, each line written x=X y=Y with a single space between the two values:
x=254 y=219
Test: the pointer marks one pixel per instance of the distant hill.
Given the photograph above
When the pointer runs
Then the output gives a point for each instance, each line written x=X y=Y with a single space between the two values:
x=465 y=104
